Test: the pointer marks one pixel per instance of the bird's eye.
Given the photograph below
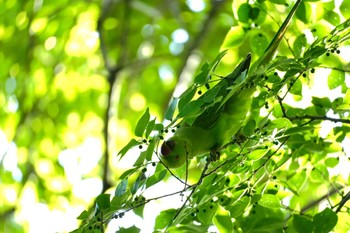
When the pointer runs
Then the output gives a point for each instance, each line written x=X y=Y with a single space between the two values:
x=167 y=147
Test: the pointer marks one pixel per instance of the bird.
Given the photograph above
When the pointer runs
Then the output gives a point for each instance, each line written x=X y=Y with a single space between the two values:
x=218 y=121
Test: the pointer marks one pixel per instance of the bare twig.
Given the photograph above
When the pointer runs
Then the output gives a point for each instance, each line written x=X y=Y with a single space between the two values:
x=193 y=189
x=319 y=200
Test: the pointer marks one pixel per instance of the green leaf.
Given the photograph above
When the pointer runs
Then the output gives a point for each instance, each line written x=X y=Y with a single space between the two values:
x=150 y=127
x=257 y=154
x=281 y=2
x=331 y=162
x=315 y=52
x=140 y=159
x=119 y=201
x=191 y=109
x=214 y=64
x=150 y=150
x=270 y=201
x=121 y=188
x=324 y=102
x=249 y=128
x=298 y=130
x=127 y=173
x=325 y=221
x=186 y=97
x=169 y=114
x=85 y=214
x=299 y=45
x=207 y=212
x=281 y=123
x=139 y=210
x=138 y=183
x=238 y=208
x=332 y=18
x=296 y=88
x=155 y=178
x=302 y=224
x=223 y=222
x=345 y=8
x=335 y=79
x=103 y=201
x=132 y=229
x=164 y=218
x=259 y=43
x=142 y=123
x=210 y=95
x=128 y=146
x=303 y=12
x=202 y=77
x=244 y=12
x=234 y=38
x=254 y=13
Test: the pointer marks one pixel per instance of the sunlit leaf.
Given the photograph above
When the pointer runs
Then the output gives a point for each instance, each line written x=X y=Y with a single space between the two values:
x=164 y=218
x=150 y=127
x=132 y=229
x=345 y=8
x=171 y=109
x=155 y=178
x=223 y=222
x=259 y=43
x=207 y=212
x=332 y=17
x=233 y=38
x=238 y=208
x=335 y=79
x=142 y=123
x=257 y=154
x=270 y=201
x=128 y=146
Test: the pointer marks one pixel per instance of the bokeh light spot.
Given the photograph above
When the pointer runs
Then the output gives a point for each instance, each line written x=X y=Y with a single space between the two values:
x=137 y=102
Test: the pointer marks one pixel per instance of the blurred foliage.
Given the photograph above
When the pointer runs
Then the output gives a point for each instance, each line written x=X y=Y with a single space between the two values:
x=76 y=77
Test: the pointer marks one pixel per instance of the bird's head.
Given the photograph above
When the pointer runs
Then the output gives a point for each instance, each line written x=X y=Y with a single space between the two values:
x=174 y=152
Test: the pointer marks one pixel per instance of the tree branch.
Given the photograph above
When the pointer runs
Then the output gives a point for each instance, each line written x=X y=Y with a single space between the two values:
x=113 y=72
x=325 y=118
x=343 y=201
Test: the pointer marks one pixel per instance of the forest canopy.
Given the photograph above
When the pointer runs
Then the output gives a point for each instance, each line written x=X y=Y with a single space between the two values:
x=93 y=94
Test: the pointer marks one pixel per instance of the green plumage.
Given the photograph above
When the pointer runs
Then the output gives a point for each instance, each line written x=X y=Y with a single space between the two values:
x=217 y=124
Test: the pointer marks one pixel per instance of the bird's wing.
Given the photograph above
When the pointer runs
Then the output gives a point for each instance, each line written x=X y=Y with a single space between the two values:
x=224 y=90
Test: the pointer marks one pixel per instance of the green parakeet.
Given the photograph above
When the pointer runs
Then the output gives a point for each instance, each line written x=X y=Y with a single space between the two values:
x=220 y=121
x=217 y=124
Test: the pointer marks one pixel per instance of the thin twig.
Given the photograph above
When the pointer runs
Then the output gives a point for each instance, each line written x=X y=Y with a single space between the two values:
x=343 y=201
x=193 y=190
x=325 y=118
